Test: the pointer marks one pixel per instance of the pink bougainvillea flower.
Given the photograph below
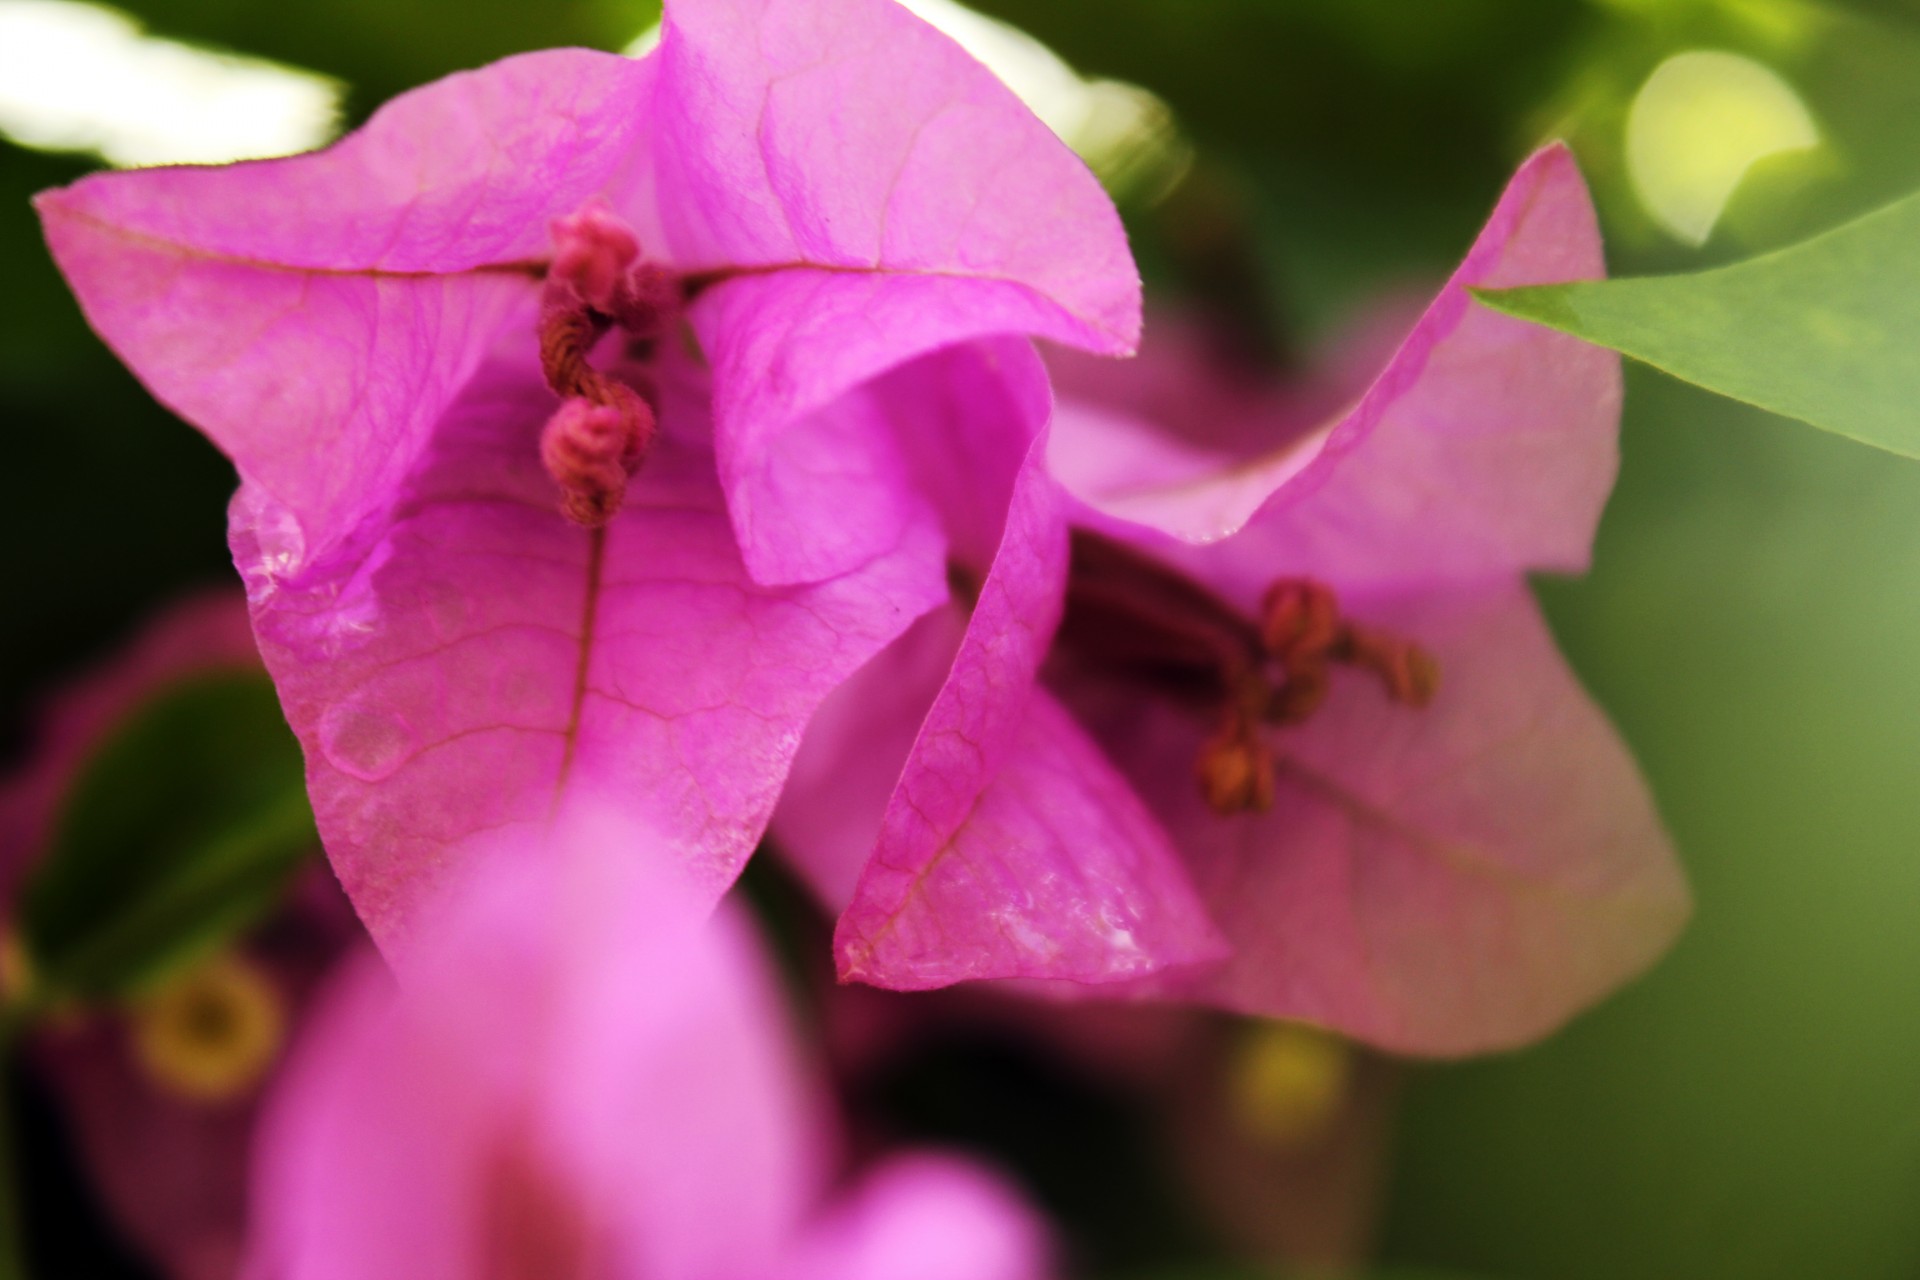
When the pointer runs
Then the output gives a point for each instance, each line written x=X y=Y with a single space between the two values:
x=1308 y=657
x=484 y=566
x=580 y=1073
x=162 y=1093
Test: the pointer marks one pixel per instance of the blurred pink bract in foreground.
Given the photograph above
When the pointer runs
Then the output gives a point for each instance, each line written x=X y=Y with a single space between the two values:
x=580 y=1076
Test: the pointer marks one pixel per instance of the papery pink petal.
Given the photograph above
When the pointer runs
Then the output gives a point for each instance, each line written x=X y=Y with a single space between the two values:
x=949 y=432
x=1009 y=847
x=457 y=174
x=1483 y=447
x=573 y=1069
x=973 y=875
x=466 y=666
x=785 y=343
x=894 y=196
x=1034 y=860
x=924 y=1217
x=851 y=757
x=849 y=134
x=1451 y=880
x=330 y=305
x=952 y=429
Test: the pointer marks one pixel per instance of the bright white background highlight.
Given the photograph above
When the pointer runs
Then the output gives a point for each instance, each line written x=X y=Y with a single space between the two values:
x=81 y=77
x=1699 y=123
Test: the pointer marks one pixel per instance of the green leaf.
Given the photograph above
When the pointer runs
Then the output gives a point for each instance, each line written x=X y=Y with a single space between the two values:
x=1826 y=331
x=181 y=830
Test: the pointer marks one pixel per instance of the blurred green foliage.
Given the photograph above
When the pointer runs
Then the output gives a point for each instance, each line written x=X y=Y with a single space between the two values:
x=180 y=830
x=1749 y=1111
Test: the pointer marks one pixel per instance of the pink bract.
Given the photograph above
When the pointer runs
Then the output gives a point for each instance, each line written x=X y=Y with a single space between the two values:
x=833 y=188
x=1442 y=880
x=581 y=1074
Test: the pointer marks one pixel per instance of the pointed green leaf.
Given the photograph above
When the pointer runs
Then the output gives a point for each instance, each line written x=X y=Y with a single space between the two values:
x=1826 y=331
x=181 y=830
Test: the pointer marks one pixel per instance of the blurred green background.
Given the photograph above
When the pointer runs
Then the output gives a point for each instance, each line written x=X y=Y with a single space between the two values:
x=1752 y=1109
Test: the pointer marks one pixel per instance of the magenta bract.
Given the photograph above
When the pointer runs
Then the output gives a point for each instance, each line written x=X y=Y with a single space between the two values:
x=581 y=1074
x=390 y=338
x=1436 y=869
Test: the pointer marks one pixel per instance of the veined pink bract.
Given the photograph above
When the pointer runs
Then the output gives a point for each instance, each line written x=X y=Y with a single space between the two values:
x=391 y=339
x=1438 y=870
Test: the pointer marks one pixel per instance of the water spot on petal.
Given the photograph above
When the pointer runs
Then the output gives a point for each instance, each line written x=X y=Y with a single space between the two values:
x=367 y=742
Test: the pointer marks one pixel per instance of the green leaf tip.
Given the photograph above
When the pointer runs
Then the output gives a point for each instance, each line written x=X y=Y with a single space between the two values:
x=1826 y=331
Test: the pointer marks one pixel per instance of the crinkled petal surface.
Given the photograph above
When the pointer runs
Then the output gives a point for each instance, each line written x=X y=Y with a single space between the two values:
x=889 y=194
x=330 y=306
x=578 y=1077
x=1461 y=877
x=1035 y=861
x=1448 y=881
x=1484 y=446
x=464 y=666
x=1008 y=847
x=846 y=187
x=853 y=753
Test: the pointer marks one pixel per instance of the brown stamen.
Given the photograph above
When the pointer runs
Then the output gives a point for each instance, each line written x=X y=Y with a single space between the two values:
x=1411 y=675
x=1299 y=621
x=1127 y=610
x=603 y=428
x=1235 y=768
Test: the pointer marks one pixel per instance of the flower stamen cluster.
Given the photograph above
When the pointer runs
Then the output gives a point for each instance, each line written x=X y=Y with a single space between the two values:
x=1126 y=610
x=596 y=282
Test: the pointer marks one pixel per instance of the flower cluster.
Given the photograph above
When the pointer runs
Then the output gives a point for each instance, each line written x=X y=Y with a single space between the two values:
x=638 y=456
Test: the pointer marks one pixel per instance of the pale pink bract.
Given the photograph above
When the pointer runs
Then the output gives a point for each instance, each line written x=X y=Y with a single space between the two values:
x=579 y=1074
x=1447 y=879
